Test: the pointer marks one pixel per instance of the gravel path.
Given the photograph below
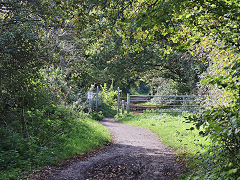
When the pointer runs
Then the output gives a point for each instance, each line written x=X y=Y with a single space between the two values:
x=136 y=153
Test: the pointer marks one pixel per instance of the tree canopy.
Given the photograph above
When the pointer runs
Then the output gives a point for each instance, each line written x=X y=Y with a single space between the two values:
x=52 y=48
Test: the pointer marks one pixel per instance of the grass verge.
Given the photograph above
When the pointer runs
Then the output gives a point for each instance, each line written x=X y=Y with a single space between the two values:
x=174 y=131
x=86 y=136
x=82 y=135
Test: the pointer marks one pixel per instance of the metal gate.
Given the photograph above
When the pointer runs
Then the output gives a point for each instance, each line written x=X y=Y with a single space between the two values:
x=167 y=103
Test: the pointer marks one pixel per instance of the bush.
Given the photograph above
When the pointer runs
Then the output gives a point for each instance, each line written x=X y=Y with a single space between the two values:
x=44 y=132
x=222 y=124
x=108 y=96
x=97 y=115
x=107 y=102
x=54 y=131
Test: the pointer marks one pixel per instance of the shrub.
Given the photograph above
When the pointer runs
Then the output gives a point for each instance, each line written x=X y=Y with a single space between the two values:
x=222 y=124
x=50 y=133
x=107 y=101
x=44 y=132
x=108 y=96
x=97 y=116
x=223 y=159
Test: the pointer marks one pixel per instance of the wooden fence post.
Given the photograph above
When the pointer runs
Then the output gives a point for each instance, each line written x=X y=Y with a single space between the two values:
x=97 y=99
x=128 y=102
x=123 y=102
x=118 y=101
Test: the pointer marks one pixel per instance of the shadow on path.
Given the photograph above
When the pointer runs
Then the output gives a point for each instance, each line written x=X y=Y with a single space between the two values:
x=136 y=153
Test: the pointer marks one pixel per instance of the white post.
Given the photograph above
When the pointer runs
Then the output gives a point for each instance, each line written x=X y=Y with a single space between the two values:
x=128 y=102
x=123 y=102
x=118 y=101
x=90 y=100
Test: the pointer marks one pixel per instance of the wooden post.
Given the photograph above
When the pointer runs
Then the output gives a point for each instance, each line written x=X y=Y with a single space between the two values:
x=118 y=101
x=97 y=99
x=128 y=102
x=123 y=102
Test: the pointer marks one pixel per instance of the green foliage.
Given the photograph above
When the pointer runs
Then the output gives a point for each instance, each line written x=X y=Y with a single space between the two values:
x=108 y=112
x=92 y=42
x=182 y=25
x=35 y=128
x=222 y=124
x=86 y=136
x=54 y=79
x=108 y=95
x=98 y=115
x=43 y=136
x=53 y=134
x=107 y=102
x=162 y=86
x=143 y=88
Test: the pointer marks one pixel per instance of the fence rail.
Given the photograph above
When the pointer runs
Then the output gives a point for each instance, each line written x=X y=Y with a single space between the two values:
x=140 y=103
x=136 y=103
x=164 y=96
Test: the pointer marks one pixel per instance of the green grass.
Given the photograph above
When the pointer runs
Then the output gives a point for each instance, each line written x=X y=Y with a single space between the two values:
x=86 y=135
x=172 y=131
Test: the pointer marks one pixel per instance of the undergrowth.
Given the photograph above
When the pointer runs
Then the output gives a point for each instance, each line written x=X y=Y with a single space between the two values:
x=52 y=134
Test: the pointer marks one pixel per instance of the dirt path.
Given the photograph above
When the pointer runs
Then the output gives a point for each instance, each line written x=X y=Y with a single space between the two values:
x=135 y=154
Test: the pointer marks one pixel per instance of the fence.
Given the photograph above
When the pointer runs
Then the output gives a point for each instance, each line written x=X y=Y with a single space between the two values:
x=167 y=103
x=140 y=103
